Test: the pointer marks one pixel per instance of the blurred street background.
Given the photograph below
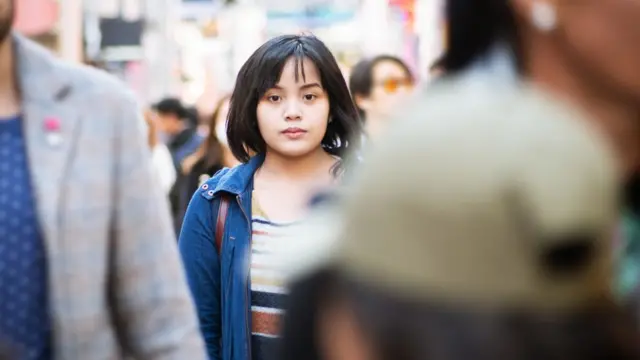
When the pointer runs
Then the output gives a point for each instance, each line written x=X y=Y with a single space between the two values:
x=194 y=48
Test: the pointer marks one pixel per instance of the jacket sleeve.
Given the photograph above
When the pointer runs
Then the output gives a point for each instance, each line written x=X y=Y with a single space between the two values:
x=201 y=261
x=153 y=311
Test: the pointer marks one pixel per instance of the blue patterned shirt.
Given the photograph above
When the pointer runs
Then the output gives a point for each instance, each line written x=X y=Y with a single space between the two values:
x=24 y=316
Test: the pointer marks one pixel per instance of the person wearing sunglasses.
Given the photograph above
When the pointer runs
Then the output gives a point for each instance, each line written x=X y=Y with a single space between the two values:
x=378 y=85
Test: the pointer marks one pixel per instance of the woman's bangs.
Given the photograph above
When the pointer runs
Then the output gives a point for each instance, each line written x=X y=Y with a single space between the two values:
x=275 y=63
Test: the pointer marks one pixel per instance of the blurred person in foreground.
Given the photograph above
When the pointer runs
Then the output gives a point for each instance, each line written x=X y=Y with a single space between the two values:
x=89 y=267
x=586 y=53
x=499 y=249
x=379 y=86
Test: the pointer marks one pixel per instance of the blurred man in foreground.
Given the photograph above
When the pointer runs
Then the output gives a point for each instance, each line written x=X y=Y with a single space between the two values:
x=497 y=248
x=88 y=263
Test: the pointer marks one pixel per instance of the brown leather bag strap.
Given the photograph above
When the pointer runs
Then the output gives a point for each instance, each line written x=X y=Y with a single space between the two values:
x=221 y=221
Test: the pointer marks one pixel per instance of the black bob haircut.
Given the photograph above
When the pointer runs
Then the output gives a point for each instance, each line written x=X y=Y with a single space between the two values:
x=361 y=79
x=262 y=72
x=474 y=27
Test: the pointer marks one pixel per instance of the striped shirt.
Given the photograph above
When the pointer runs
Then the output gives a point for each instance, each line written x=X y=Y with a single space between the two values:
x=267 y=284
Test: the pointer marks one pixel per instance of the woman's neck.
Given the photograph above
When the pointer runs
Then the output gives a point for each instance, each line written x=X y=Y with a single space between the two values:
x=297 y=168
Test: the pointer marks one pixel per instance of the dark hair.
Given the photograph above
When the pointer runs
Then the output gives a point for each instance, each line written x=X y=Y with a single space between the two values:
x=262 y=72
x=411 y=330
x=361 y=78
x=172 y=106
x=474 y=27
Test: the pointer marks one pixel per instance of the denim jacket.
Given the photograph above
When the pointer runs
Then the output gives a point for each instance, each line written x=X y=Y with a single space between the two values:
x=220 y=282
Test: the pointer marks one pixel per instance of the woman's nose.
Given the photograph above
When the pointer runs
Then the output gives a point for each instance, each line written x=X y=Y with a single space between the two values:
x=293 y=111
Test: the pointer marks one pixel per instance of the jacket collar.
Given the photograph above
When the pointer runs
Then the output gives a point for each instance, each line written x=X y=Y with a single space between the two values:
x=239 y=179
x=38 y=76
x=46 y=89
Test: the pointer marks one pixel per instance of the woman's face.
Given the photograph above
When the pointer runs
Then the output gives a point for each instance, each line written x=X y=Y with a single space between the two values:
x=293 y=115
x=391 y=85
x=603 y=37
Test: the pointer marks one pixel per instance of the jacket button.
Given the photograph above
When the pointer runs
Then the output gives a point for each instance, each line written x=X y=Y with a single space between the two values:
x=210 y=192
x=205 y=187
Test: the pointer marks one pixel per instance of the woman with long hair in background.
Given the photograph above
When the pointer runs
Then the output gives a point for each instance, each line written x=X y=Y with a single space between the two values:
x=212 y=156
x=379 y=87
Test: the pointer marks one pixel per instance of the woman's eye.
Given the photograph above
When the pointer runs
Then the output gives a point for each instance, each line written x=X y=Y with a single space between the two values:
x=309 y=97
x=274 y=98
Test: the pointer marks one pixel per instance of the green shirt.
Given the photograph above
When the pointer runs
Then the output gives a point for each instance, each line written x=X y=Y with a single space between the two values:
x=628 y=256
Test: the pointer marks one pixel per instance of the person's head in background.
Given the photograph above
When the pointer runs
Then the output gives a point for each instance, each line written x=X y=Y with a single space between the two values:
x=378 y=87
x=172 y=116
x=507 y=258
x=291 y=103
x=586 y=51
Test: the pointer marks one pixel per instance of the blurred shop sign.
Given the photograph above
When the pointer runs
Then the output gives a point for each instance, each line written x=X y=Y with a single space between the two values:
x=309 y=14
x=34 y=17
x=120 y=32
x=120 y=39
x=200 y=9
x=296 y=6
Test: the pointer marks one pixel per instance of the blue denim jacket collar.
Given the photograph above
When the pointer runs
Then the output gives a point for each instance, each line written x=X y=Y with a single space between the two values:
x=239 y=179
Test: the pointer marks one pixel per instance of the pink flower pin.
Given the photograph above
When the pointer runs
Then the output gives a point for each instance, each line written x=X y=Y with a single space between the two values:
x=52 y=131
x=51 y=124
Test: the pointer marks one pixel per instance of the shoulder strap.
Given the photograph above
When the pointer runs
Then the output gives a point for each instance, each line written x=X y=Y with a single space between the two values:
x=221 y=221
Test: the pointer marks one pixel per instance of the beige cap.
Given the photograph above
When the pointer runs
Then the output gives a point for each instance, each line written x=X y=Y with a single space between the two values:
x=485 y=200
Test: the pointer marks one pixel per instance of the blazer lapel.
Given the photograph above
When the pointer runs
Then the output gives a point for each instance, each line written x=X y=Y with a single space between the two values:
x=43 y=92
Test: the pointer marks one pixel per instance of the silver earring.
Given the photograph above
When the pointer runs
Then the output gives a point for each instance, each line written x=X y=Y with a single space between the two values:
x=543 y=16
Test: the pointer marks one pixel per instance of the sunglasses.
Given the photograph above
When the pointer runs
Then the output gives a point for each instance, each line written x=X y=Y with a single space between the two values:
x=392 y=85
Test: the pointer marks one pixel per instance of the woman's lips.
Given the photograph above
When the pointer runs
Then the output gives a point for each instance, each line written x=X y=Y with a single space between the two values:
x=294 y=133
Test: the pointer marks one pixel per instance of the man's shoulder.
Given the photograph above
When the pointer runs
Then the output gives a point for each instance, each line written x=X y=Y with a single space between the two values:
x=91 y=82
x=39 y=65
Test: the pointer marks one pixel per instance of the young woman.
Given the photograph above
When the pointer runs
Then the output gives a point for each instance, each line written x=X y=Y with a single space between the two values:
x=290 y=123
x=585 y=53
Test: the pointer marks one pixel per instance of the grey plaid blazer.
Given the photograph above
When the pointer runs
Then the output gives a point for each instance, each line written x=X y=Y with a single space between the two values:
x=117 y=286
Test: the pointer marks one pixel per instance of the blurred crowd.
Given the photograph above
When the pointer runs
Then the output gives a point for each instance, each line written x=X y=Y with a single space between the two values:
x=490 y=213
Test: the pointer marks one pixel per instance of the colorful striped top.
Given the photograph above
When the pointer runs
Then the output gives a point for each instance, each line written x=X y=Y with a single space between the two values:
x=267 y=284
